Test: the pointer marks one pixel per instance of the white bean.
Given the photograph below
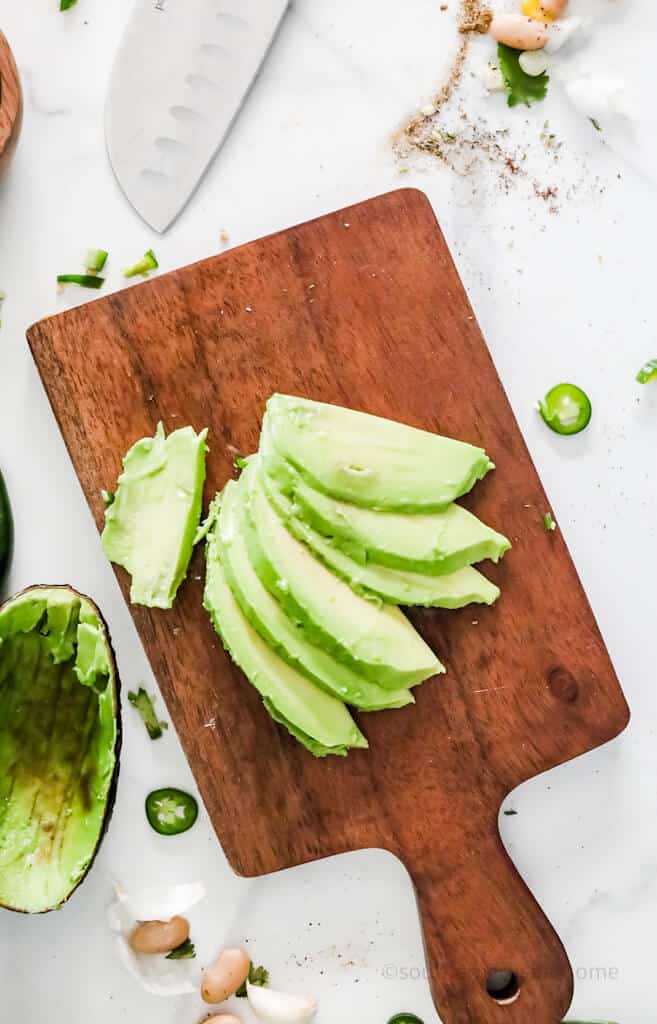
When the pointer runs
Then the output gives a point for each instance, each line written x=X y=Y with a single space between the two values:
x=519 y=32
x=553 y=8
x=159 y=936
x=223 y=978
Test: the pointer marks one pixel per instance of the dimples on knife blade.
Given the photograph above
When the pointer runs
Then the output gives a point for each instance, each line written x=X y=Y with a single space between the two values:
x=181 y=74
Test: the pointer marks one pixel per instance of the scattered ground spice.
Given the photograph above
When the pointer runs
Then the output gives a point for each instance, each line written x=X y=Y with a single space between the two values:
x=548 y=193
x=445 y=93
x=475 y=17
x=450 y=129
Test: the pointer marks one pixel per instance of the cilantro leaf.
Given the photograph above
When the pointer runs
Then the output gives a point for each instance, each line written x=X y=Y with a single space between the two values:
x=520 y=87
x=185 y=951
x=257 y=976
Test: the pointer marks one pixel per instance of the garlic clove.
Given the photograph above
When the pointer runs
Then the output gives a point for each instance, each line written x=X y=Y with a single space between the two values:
x=271 y=1007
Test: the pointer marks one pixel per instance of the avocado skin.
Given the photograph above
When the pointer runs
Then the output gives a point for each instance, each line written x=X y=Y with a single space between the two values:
x=6 y=532
x=110 y=799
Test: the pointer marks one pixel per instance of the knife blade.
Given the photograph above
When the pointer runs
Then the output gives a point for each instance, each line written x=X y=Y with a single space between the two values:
x=182 y=72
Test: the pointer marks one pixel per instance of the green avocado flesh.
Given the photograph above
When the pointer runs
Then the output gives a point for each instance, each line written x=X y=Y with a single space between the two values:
x=268 y=617
x=394 y=586
x=370 y=461
x=376 y=641
x=151 y=525
x=59 y=744
x=432 y=543
x=319 y=721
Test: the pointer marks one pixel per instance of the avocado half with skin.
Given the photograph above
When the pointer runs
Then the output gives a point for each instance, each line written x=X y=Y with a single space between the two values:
x=60 y=739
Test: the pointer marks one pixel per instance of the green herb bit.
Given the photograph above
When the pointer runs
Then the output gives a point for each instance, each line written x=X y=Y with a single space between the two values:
x=241 y=462
x=405 y=1018
x=108 y=497
x=64 y=5
x=520 y=87
x=548 y=522
x=84 y=280
x=647 y=372
x=95 y=259
x=143 y=266
x=144 y=705
x=257 y=976
x=185 y=951
x=596 y=124
x=566 y=409
x=510 y=813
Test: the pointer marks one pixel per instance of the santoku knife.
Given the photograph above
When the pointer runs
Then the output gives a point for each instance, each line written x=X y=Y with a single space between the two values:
x=183 y=70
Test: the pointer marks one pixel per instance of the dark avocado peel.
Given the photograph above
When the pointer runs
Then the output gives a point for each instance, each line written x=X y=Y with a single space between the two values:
x=6 y=532
x=60 y=738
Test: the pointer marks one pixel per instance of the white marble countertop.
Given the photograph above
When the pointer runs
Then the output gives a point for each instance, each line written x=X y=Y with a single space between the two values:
x=563 y=289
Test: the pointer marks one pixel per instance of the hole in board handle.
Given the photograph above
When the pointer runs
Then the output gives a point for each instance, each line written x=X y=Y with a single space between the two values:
x=503 y=986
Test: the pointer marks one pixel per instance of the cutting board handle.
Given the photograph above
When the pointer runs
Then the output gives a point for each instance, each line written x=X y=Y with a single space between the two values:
x=11 y=104
x=484 y=931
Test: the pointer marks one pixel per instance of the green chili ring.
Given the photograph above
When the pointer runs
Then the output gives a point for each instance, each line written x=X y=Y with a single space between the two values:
x=566 y=409
x=170 y=811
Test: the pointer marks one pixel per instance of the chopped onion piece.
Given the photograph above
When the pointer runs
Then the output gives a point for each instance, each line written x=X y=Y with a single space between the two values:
x=534 y=62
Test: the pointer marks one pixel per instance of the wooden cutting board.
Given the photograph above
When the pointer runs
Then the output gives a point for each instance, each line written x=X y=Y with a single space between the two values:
x=11 y=104
x=364 y=308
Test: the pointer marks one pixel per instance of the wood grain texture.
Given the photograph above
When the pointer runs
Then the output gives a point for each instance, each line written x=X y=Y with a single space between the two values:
x=11 y=103
x=364 y=308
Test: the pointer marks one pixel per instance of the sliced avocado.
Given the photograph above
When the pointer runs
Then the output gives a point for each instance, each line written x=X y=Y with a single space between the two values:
x=371 y=461
x=432 y=543
x=394 y=586
x=6 y=532
x=268 y=617
x=151 y=524
x=319 y=721
x=60 y=735
x=377 y=641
